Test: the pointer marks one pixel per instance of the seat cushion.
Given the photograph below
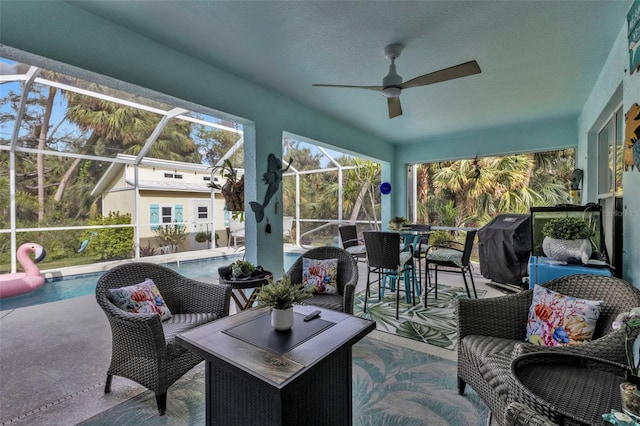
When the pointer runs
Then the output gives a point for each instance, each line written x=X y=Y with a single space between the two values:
x=446 y=255
x=180 y=323
x=329 y=301
x=356 y=250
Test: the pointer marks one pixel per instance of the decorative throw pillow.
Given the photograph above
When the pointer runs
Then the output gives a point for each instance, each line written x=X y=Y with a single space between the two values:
x=142 y=298
x=320 y=275
x=559 y=320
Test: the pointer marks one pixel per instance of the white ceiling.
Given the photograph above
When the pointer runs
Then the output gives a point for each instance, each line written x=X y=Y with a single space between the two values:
x=539 y=59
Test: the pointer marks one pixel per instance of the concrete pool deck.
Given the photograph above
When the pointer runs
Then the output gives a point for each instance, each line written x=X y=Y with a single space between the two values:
x=53 y=360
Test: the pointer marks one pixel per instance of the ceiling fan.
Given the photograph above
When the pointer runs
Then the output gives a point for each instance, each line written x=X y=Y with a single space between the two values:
x=392 y=84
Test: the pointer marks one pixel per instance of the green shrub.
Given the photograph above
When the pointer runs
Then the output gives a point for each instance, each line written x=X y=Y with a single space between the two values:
x=110 y=243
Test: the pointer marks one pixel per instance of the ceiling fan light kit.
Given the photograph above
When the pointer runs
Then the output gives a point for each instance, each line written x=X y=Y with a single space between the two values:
x=392 y=84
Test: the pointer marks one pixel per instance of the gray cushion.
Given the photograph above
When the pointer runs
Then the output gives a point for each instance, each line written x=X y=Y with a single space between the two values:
x=329 y=301
x=180 y=323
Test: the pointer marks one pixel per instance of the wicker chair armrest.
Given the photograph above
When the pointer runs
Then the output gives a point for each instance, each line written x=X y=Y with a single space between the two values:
x=196 y=296
x=518 y=414
x=348 y=298
x=610 y=347
x=143 y=329
x=504 y=316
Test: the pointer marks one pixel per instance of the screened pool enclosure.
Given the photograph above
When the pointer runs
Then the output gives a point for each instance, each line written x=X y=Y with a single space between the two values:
x=93 y=172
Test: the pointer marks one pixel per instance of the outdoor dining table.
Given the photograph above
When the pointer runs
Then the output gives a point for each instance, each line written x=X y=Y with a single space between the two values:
x=417 y=238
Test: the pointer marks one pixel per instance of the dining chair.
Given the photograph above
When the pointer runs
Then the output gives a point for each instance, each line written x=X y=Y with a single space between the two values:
x=389 y=261
x=351 y=243
x=453 y=257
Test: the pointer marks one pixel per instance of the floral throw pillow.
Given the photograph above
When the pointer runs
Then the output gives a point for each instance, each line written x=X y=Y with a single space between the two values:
x=559 y=320
x=320 y=275
x=142 y=298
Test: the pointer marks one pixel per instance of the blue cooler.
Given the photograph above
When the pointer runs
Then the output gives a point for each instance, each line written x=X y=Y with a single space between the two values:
x=542 y=269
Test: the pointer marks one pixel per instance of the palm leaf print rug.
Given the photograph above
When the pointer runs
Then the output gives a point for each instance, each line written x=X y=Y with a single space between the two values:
x=391 y=385
x=435 y=324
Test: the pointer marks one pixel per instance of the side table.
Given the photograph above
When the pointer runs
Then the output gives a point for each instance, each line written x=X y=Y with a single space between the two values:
x=568 y=388
x=238 y=285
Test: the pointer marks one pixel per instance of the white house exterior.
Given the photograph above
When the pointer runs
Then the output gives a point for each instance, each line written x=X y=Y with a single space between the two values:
x=169 y=192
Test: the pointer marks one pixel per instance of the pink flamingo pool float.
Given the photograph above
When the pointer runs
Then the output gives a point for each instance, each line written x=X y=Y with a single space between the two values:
x=24 y=282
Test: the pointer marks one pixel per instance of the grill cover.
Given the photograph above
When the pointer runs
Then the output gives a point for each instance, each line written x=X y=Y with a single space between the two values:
x=504 y=248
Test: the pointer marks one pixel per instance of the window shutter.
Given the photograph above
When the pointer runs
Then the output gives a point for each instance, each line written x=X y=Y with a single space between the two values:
x=178 y=215
x=154 y=216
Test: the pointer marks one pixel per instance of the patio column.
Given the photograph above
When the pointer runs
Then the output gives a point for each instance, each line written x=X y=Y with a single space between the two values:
x=262 y=248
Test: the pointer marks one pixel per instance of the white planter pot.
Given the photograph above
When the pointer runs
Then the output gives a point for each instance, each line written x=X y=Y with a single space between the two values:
x=567 y=250
x=282 y=319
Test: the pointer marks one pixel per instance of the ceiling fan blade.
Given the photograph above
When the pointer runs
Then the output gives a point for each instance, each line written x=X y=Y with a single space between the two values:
x=457 y=71
x=395 y=109
x=376 y=88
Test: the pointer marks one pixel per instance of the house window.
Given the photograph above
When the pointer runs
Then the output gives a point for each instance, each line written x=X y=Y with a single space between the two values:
x=203 y=212
x=173 y=176
x=610 y=148
x=167 y=215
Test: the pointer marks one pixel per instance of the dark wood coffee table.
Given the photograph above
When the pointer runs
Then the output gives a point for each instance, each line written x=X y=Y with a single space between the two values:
x=247 y=384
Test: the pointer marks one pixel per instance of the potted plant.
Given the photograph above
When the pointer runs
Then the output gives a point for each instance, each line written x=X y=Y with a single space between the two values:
x=398 y=222
x=242 y=269
x=567 y=239
x=203 y=237
x=233 y=187
x=629 y=391
x=280 y=296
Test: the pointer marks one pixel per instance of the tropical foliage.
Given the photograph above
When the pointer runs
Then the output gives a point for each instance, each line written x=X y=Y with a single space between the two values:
x=472 y=192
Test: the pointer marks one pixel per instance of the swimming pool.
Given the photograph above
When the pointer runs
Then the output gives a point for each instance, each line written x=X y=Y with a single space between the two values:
x=82 y=285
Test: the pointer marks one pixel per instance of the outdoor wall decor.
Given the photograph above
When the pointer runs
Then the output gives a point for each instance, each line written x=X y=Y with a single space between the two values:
x=385 y=188
x=272 y=177
x=631 y=154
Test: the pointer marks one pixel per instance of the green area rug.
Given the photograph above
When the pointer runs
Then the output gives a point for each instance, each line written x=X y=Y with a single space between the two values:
x=435 y=324
x=392 y=385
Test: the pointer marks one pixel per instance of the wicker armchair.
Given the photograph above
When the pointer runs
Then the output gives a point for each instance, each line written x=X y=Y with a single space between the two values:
x=347 y=278
x=143 y=347
x=492 y=331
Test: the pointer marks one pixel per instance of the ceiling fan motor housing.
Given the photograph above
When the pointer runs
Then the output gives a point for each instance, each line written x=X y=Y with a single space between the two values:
x=392 y=82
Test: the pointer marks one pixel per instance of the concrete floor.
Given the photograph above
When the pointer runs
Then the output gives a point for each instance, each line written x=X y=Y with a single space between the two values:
x=53 y=359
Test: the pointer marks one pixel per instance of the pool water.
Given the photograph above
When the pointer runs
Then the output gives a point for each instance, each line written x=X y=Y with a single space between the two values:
x=82 y=285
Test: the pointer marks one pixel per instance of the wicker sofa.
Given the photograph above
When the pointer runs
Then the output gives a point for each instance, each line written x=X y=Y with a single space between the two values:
x=492 y=331
x=347 y=278
x=143 y=347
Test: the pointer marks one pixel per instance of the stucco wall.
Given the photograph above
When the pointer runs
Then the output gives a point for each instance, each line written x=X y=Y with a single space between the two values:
x=614 y=82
